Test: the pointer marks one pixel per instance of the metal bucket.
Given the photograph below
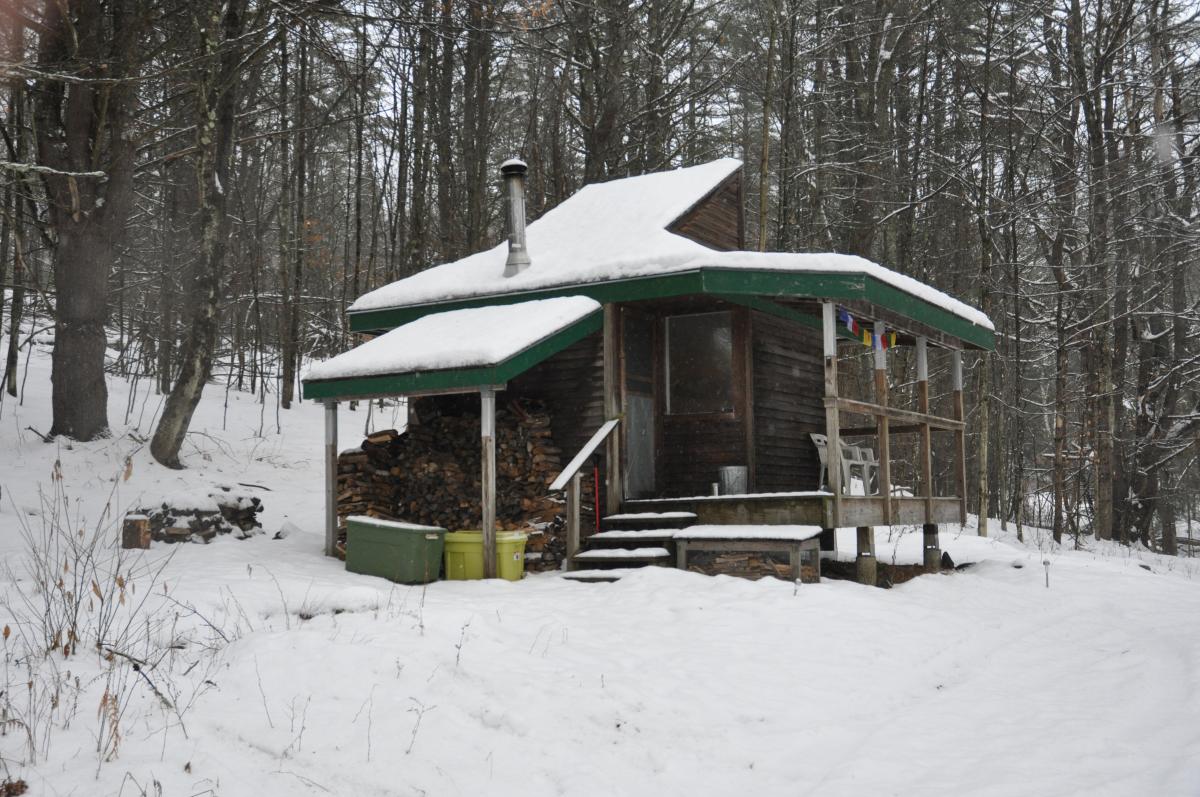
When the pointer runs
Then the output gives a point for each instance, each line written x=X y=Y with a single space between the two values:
x=733 y=479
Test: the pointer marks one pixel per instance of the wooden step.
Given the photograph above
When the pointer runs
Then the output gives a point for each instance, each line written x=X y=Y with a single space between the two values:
x=598 y=576
x=645 y=520
x=627 y=556
x=631 y=537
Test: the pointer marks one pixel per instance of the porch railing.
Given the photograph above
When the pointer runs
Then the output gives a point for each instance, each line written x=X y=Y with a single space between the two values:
x=921 y=422
x=570 y=478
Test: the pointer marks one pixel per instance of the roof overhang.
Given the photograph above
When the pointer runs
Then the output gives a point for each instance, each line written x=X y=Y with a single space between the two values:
x=745 y=285
x=386 y=379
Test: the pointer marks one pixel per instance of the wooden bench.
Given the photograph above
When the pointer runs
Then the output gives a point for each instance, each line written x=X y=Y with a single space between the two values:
x=801 y=543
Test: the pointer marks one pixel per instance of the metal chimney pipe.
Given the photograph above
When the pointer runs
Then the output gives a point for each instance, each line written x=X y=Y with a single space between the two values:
x=513 y=171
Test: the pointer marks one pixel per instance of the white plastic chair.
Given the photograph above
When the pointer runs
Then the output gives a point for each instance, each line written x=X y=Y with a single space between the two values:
x=822 y=444
x=864 y=459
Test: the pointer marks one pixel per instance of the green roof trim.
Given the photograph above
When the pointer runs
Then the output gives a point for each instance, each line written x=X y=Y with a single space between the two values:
x=779 y=311
x=726 y=282
x=770 y=283
x=453 y=379
x=626 y=290
x=911 y=306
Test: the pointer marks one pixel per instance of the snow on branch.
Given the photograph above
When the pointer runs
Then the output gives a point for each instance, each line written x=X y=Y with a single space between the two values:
x=31 y=168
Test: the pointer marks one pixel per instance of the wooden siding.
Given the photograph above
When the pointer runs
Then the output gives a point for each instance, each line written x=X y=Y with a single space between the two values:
x=572 y=385
x=716 y=220
x=694 y=447
x=788 y=404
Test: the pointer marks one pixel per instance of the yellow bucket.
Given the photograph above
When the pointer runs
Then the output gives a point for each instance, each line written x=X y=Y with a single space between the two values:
x=464 y=555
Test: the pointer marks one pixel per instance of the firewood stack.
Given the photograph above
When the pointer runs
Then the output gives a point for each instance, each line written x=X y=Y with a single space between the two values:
x=199 y=518
x=431 y=475
x=748 y=565
x=364 y=482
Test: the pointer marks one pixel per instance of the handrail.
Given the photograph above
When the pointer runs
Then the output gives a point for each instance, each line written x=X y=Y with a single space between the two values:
x=866 y=408
x=581 y=458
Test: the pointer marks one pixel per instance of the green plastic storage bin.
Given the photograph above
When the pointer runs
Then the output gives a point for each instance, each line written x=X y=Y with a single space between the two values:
x=402 y=552
x=464 y=555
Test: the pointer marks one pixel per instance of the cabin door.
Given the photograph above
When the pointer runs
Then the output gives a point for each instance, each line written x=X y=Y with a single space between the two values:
x=638 y=336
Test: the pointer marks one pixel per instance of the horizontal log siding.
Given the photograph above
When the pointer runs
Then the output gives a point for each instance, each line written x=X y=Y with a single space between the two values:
x=788 y=404
x=572 y=385
x=694 y=447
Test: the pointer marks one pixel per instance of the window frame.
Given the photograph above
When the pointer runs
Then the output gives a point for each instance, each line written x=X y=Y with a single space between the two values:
x=732 y=412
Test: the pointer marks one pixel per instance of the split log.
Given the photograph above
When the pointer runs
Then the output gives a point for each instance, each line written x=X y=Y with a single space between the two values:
x=135 y=532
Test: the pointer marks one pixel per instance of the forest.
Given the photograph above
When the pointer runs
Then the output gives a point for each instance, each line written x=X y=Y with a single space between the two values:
x=193 y=192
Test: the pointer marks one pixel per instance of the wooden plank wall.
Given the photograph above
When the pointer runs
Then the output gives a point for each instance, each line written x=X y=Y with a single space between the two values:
x=788 y=405
x=694 y=447
x=716 y=220
x=572 y=385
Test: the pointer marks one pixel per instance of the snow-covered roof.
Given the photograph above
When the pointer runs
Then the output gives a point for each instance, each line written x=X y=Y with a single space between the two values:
x=833 y=263
x=618 y=230
x=602 y=232
x=477 y=337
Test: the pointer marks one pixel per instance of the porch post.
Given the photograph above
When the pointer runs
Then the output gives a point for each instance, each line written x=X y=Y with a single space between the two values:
x=487 y=433
x=960 y=446
x=331 y=464
x=926 y=436
x=612 y=409
x=881 y=423
x=933 y=554
x=573 y=520
x=865 y=562
x=833 y=437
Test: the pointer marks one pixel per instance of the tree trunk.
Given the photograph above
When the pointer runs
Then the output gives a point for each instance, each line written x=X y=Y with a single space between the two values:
x=417 y=225
x=444 y=126
x=81 y=129
x=291 y=335
x=764 y=155
x=13 y=217
x=215 y=125
x=984 y=224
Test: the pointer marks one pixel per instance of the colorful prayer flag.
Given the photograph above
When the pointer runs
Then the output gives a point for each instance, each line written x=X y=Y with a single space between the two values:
x=864 y=334
x=855 y=328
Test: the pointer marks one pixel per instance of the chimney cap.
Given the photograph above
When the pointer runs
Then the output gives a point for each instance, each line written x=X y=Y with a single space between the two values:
x=513 y=166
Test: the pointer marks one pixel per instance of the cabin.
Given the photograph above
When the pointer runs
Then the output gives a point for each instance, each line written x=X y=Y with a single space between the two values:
x=702 y=378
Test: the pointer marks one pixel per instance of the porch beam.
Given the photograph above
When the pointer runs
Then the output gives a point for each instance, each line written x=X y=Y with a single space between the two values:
x=487 y=433
x=833 y=449
x=894 y=429
x=902 y=323
x=867 y=408
x=331 y=458
x=796 y=509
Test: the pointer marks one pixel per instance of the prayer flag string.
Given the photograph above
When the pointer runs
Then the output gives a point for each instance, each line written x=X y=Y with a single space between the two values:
x=864 y=334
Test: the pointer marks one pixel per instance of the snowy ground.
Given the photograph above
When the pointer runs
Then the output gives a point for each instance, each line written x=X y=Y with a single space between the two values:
x=281 y=674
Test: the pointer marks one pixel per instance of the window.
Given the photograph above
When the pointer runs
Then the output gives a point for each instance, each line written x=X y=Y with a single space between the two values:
x=699 y=364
